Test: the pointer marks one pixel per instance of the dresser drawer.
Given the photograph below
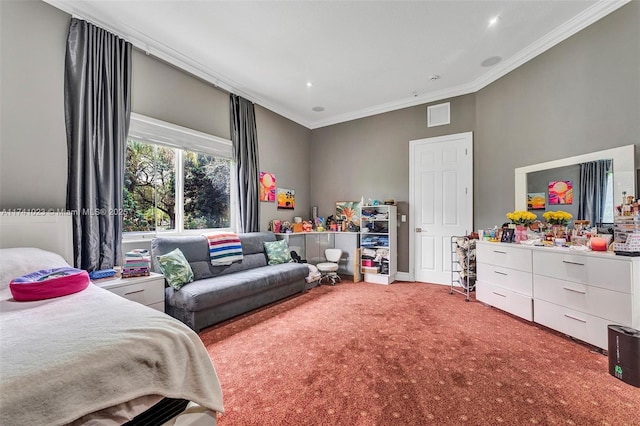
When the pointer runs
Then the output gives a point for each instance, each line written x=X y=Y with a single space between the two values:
x=504 y=299
x=511 y=279
x=585 y=327
x=610 y=305
x=504 y=255
x=602 y=272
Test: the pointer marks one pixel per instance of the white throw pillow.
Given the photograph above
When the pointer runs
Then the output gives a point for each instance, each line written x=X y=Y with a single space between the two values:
x=15 y=262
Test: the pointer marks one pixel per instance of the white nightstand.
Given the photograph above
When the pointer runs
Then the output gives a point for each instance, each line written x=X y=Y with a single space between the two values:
x=146 y=290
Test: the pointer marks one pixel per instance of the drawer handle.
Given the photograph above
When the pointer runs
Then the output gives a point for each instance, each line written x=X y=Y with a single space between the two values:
x=573 y=263
x=500 y=273
x=501 y=252
x=498 y=294
x=574 y=318
x=134 y=292
x=574 y=290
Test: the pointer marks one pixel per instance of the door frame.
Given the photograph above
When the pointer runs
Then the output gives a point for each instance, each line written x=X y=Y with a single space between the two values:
x=412 y=229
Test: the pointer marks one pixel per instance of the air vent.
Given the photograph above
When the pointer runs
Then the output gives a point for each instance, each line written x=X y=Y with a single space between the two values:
x=438 y=115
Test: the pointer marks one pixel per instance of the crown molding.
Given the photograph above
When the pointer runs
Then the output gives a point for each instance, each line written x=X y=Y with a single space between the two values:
x=173 y=57
x=571 y=27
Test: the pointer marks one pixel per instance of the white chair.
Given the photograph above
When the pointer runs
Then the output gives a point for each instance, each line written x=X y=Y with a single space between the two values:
x=329 y=269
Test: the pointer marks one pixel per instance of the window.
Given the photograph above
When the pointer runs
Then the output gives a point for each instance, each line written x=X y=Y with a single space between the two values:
x=176 y=180
x=607 y=213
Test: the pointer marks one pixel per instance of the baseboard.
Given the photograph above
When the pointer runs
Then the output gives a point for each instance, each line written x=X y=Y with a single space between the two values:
x=403 y=276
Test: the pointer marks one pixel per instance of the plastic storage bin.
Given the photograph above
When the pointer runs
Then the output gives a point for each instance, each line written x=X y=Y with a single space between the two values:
x=624 y=354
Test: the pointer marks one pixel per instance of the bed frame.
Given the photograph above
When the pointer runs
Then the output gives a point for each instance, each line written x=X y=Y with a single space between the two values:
x=40 y=229
x=53 y=232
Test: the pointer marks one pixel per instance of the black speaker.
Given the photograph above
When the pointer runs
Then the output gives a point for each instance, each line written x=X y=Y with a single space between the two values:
x=624 y=354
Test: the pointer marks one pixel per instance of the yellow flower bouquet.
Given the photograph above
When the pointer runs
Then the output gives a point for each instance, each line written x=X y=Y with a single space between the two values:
x=520 y=217
x=557 y=218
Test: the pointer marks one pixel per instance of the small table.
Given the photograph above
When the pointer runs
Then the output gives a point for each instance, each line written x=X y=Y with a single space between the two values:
x=148 y=290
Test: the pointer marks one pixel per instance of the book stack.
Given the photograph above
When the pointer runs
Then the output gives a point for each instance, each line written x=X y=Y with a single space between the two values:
x=137 y=263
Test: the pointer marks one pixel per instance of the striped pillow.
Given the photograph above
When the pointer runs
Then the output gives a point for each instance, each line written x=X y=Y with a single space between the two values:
x=224 y=248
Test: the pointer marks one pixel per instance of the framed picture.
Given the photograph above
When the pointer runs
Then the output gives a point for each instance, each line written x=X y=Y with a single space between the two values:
x=536 y=201
x=561 y=192
x=508 y=235
x=286 y=199
x=348 y=211
x=267 y=187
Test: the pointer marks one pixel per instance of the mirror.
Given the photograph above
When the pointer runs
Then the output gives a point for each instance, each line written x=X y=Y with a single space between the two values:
x=624 y=173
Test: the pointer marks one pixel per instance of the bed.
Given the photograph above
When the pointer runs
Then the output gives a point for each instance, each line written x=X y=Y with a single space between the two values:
x=92 y=358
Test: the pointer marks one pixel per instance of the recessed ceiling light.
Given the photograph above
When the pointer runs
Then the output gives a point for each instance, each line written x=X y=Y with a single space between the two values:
x=493 y=21
x=309 y=84
x=318 y=108
x=489 y=62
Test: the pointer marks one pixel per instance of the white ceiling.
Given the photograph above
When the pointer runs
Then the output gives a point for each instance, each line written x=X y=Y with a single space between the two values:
x=361 y=57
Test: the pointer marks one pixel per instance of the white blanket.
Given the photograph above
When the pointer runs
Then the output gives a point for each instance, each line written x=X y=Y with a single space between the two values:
x=66 y=357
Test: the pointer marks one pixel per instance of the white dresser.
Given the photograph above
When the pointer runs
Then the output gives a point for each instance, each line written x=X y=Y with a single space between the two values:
x=147 y=290
x=505 y=277
x=578 y=294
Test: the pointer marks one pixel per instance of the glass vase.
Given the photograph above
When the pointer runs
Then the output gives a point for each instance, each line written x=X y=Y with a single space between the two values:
x=521 y=233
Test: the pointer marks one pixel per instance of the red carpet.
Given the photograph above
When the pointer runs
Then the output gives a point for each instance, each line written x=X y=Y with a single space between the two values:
x=407 y=354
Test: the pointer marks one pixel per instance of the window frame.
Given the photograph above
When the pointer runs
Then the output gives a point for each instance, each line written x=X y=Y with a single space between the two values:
x=153 y=131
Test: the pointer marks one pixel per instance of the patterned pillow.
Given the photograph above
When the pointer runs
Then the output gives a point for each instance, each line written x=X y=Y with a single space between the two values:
x=175 y=268
x=277 y=252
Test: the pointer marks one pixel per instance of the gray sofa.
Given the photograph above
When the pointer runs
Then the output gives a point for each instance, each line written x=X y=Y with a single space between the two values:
x=222 y=292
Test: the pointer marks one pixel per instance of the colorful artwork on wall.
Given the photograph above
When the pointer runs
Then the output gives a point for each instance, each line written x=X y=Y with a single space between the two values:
x=536 y=200
x=267 y=187
x=349 y=211
x=286 y=198
x=561 y=192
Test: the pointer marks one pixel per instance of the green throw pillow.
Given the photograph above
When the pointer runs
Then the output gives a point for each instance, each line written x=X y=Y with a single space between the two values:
x=175 y=268
x=277 y=252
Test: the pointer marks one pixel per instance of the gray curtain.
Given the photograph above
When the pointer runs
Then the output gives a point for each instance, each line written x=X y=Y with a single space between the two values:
x=97 y=106
x=245 y=154
x=593 y=187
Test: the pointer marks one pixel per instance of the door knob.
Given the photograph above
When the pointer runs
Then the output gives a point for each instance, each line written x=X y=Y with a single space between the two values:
x=418 y=229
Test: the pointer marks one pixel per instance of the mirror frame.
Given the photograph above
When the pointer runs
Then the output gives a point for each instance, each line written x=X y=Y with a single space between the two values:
x=624 y=172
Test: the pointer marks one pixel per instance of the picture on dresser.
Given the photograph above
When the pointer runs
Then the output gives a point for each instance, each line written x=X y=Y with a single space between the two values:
x=561 y=192
x=508 y=235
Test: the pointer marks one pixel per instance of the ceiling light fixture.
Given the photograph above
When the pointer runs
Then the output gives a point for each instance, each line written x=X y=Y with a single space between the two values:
x=493 y=21
x=489 y=62
x=309 y=84
x=434 y=77
x=318 y=108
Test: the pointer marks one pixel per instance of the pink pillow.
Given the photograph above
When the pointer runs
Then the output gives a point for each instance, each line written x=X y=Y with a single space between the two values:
x=49 y=283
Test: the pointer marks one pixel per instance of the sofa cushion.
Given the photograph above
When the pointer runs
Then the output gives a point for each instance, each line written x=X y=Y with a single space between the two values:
x=277 y=252
x=175 y=268
x=210 y=292
x=196 y=249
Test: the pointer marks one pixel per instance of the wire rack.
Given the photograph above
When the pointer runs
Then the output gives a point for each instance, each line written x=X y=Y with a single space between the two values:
x=463 y=265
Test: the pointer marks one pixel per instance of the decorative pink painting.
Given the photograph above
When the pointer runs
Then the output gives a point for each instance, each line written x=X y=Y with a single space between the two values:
x=267 y=187
x=561 y=192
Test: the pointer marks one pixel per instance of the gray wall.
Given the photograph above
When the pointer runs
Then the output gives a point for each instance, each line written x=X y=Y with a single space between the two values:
x=582 y=95
x=33 y=150
x=33 y=141
x=539 y=182
x=369 y=158
x=284 y=151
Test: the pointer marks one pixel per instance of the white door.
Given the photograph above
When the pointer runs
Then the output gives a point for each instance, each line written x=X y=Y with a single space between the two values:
x=441 y=193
